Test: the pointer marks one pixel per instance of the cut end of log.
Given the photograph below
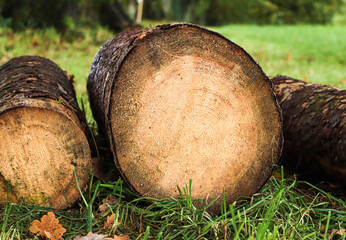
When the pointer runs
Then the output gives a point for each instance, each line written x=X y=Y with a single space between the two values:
x=43 y=135
x=42 y=149
x=186 y=104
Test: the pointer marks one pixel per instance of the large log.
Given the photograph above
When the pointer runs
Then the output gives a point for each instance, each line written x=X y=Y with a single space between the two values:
x=314 y=128
x=180 y=102
x=42 y=132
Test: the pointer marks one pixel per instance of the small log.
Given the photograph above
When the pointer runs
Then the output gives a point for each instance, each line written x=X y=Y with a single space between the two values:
x=180 y=102
x=42 y=132
x=314 y=128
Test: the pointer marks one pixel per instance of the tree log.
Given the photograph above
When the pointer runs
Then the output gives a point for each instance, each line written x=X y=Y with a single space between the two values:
x=42 y=132
x=180 y=102
x=314 y=128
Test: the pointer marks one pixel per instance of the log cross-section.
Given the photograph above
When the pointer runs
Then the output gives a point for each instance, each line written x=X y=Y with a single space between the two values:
x=43 y=135
x=180 y=102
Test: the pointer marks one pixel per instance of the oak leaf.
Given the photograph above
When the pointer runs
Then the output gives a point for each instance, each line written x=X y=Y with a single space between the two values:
x=49 y=227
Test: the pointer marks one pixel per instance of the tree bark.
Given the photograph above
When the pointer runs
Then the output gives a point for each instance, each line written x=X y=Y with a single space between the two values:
x=43 y=134
x=314 y=128
x=180 y=102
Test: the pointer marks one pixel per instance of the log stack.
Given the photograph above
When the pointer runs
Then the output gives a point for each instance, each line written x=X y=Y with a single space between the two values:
x=180 y=102
x=43 y=135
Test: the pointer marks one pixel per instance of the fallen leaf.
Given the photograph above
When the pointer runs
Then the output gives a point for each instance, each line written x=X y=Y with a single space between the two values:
x=122 y=237
x=109 y=223
x=110 y=200
x=116 y=237
x=91 y=236
x=336 y=231
x=49 y=227
x=95 y=236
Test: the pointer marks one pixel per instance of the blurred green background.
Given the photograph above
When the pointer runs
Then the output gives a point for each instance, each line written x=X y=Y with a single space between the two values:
x=63 y=14
x=304 y=39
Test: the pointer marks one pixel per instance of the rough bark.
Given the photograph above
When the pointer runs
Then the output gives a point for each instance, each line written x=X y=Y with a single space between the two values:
x=314 y=128
x=180 y=102
x=43 y=134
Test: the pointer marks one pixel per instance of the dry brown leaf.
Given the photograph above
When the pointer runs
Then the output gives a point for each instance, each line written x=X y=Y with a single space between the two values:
x=90 y=236
x=110 y=222
x=336 y=231
x=49 y=227
x=95 y=236
x=116 y=237
x=110 y=200
x=122 y=237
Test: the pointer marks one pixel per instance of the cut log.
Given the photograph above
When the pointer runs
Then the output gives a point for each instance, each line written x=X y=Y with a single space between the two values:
x=180 y=102
x=314 y=128
x=42 y=132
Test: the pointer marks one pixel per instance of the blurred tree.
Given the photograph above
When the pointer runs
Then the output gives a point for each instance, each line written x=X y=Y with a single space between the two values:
x=306 y=11
x=33 y=13
x=129 y=6
x=273 y=11
x=112 y=14
x=215 y=12
x=153 y=9
x=197 y=11
x=64 y=14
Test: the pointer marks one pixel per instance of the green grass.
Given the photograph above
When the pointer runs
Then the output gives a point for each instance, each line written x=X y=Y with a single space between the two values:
x=282 y=209
x=311 y=53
